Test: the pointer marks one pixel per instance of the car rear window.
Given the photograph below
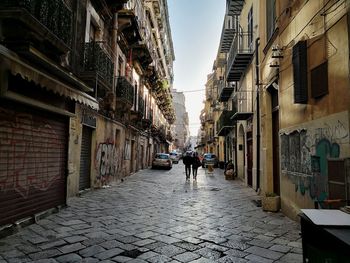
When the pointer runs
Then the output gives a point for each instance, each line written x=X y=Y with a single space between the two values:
x=173 y=154
x=162 y=156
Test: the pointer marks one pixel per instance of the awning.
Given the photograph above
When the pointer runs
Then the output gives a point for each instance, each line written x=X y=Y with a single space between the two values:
x=13 y=63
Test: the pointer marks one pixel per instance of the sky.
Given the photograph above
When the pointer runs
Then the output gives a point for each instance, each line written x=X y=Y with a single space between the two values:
x=196 y=30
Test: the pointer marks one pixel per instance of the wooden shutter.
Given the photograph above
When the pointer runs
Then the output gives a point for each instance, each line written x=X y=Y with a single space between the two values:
x=319 y=80
x=300 y=72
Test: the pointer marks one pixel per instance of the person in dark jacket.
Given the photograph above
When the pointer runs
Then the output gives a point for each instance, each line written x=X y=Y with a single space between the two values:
x=196 y=162
x=187 y=160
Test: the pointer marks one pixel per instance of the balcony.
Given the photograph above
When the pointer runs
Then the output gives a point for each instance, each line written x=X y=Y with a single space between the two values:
x=224 y=125
x=235 y=7
x=124 y=93
x=209 y=118
x=225 y=91
x=45 y=25
x=209 y=139
x=147 y=120
x=97 y=67
x=244 y=109
x=137 y=113
x=240 y=56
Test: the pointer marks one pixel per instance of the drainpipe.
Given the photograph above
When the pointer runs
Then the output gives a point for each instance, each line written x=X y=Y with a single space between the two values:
x=257 y=43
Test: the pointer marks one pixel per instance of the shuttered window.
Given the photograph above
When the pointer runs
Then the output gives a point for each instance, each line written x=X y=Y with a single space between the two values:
x=319 y=80
x=300 y=72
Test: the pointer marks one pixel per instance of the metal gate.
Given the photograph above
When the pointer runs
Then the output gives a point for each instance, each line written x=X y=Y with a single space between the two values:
x=33 y=161
x=85 y=159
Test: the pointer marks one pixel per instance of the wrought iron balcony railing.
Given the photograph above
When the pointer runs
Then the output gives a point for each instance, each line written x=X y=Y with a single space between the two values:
x=225 y=124
x=240 y=56
x=125 y=91
x=53 y=14
x=97 y=60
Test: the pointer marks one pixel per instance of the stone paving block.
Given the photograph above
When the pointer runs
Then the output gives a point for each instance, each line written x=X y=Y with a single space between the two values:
x=202 y=260
x=143 y=242
x=169 y=250
x=231 y=259
x=260 y=243
x=265 y=253
x=147 y=255
x=295 y=244
x=214 y=239
x=90 y=260
x=71 y=248
x=111 y=244
x=45 y=254
x=36 y=239
x=209 y=253
x=186 y=257
x=292 y=258
x=186 y=245
x=109 y=253
x=279 y=248
x=74 y=239
x=257 y=259
x=56 y=243
x=92 y=241
x=12 y=253
x=165 y=239
x=160 y=259
x=69 y=258
x=155 y=245
x=137 y=260
x=121 y=259
x=236 y=253
x=91 y=251
x=96 y=234
x=50 y=260
x=236 y=244
x=214 y=246
x=128 y=239
x=146 y=234
x=71 y=222
x=23 y=259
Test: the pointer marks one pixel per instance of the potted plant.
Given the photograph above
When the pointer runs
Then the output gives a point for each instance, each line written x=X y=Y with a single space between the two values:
x=271 y=202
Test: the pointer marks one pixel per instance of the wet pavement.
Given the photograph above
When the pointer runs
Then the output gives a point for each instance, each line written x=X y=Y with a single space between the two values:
x=155 y=216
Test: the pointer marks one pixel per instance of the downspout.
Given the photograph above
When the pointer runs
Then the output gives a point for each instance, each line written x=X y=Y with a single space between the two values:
x=257 y=43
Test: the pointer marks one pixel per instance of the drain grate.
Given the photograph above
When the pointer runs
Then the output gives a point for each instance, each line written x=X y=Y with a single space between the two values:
x=132 y=253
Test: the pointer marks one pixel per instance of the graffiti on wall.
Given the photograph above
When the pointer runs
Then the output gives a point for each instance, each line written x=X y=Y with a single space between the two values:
x=304 y=154
x=31 y=153
x=107 y=161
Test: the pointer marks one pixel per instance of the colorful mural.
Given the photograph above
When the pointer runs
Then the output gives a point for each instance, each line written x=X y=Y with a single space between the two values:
x=304 y=153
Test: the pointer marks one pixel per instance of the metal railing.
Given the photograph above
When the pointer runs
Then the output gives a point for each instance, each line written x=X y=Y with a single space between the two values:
x=225 y=120
x=53 y=14
x=125 y=90
x=96 y=59
x=240 y=45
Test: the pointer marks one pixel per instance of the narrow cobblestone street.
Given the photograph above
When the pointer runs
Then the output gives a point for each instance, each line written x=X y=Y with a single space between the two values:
x=155 y=216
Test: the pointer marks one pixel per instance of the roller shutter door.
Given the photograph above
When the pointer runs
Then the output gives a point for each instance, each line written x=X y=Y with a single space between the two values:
x=85 y=159
x=33 y=160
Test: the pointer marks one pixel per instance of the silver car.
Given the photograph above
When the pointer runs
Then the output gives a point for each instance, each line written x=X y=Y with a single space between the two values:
x=162 y=160
x=175 y=157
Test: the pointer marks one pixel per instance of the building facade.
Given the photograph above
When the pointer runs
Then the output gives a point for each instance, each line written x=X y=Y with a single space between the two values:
x=181 y=129
x=85 y=97
x=286 y=83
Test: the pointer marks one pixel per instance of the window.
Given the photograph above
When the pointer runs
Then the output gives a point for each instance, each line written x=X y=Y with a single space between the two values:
x=270 y=18
x=250 y=27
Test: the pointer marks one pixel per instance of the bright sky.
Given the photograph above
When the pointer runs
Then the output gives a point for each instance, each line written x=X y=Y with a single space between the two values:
x=196 y=29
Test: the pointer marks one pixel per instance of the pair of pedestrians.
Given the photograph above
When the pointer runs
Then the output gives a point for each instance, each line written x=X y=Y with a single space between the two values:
x=191 y=159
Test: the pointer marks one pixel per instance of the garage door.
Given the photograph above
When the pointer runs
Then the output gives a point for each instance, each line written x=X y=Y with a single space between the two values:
x=33 y=158
x=85 y=159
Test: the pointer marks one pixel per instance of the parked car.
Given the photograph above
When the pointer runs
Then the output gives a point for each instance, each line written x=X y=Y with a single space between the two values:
x=210 y=158
x=162 y=160
x=175 y=157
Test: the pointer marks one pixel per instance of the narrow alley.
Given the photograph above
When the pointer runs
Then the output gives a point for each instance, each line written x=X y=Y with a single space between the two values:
x=155 y=216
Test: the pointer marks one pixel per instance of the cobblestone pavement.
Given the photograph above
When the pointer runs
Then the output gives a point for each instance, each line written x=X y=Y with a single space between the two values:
x=155 y=216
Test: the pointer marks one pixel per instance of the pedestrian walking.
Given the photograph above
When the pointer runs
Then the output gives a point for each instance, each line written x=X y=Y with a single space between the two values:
x=196 y=162
x=187 y=160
